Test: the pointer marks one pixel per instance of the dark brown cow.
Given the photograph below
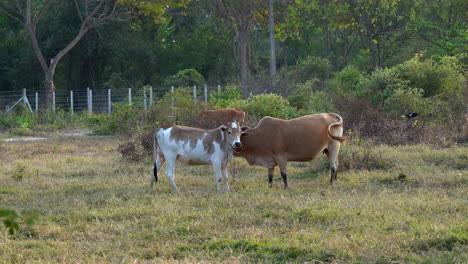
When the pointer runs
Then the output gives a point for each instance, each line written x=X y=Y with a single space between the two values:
x=274 y=142
x=214 y=118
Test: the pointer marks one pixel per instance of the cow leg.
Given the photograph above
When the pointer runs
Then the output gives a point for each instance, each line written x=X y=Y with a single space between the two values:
x=217 y=171
x=332 y=153
x=170 y=166
x=284 y=173
x=224 y=172
x=271 y=172
x=157 y=165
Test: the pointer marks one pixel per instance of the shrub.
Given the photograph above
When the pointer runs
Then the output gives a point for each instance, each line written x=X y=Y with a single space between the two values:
x=409 y=100
x=381 y=84
x=308 y=100
x=184 y=108
x=258 y=106
x=310 y=68
x=185 y=78
x=444 y=78
x=123 y=120
x=225 y=96
x=348 y=82
x=360 y=154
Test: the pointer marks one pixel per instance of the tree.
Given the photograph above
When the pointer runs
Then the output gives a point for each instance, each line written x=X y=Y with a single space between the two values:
x=240 y=14
x=91 y=13
x=442 y=23
x=28 y=14
x=272 y=41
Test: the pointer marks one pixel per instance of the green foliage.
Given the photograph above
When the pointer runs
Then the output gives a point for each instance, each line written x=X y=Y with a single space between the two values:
x=225 y=96
x=409 y=99
x=382 y=83
x=123 y=119
x=184 y=108
x=19 y=173
x=436 y=78
x=433 y=89
x=13 y=221
x=308 y=100
x=185 y=78
x=348 y=82
x=309 y=68
x=155 y=9
x=258 y=106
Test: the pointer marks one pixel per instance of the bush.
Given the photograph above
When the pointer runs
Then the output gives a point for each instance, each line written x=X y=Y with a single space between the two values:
x=258 y=106
x=381 y=85
x=310 y=68
x=123 y=120
x=184 y=108
x=139 y=147
x=225 y=97
x=308 y=100
x=443 y=78
x=360 y=154
x=185 y=78
x=409 y=100
x=348 y=82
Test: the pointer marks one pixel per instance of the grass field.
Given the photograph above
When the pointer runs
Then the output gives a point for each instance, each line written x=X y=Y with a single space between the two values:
x=94 y=207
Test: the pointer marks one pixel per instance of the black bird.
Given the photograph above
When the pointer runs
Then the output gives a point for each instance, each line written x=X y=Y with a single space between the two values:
x=410 y=115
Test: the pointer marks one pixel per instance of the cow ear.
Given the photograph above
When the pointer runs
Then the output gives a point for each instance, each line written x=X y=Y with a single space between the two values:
x=244 y=134
x=223 y=128
x=244 y=128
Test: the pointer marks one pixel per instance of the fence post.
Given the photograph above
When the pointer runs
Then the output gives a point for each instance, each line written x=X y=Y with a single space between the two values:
x=90 y=101
x=37 y=101
x=206 y=93
x=130 y=96
x=144 y=98
x=71 y=102
x=53 y=102
x=151 y=96
x=24 y=97
x=195 y=94
x=172 y=104
x=109 y=103
x=87 y=100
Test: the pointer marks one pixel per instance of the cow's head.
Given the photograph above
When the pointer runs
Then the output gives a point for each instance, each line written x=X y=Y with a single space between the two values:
x=232 y=132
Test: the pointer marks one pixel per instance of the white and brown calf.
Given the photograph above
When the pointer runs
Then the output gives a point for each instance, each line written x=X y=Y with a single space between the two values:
x=195 y=146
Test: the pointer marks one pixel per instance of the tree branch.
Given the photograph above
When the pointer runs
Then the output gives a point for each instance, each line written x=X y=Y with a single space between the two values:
x=38 y=16
x=78 y=10
x=12 y=16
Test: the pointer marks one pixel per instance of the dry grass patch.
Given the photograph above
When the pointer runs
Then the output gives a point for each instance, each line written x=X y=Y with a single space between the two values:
x=95 y=207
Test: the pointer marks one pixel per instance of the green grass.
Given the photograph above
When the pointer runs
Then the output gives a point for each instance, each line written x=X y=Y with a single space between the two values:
x=94 y=207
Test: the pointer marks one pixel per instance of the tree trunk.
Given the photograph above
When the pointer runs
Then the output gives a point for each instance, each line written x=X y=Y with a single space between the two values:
x=374 y=52
x=243 y=59
x=272 y=44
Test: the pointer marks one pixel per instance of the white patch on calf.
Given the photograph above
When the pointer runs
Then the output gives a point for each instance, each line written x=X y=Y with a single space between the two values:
x=196 y=155
x=234 y=125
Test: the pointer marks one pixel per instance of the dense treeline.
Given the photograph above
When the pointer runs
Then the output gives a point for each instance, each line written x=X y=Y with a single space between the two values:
x=137 y=50
x=367 y=60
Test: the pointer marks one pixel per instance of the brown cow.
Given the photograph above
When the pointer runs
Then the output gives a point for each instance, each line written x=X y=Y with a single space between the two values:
x=274 y=142
x=195 y=146
x=214 y=118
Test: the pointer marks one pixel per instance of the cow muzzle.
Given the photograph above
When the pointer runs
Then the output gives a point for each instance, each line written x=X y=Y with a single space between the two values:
x=237 y=145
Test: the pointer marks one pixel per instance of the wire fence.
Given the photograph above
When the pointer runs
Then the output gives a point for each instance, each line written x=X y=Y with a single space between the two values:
x=95 y=100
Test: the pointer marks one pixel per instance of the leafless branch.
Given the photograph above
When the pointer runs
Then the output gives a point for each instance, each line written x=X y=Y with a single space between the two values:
x=78 y=10
x=18 y=7
x=39 y=15
x=11 y=15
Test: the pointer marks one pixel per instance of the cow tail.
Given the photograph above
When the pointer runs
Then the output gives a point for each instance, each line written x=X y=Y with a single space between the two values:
x=155 y=146
x=339 y=123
